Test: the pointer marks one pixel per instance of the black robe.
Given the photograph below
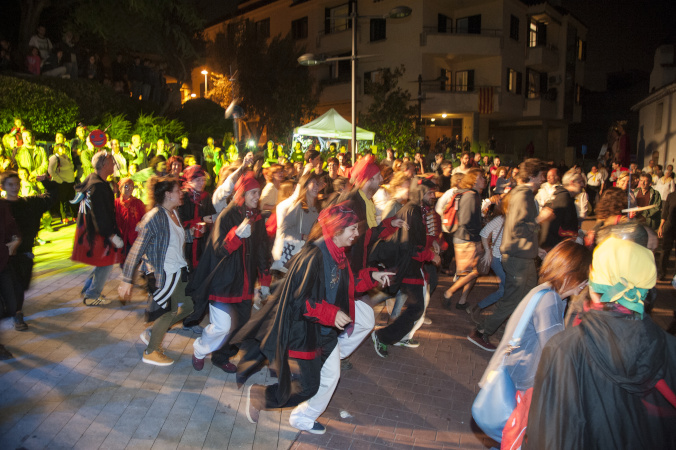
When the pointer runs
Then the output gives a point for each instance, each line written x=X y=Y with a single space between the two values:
x=290 y=323
x=229 y=267
x=595 y=386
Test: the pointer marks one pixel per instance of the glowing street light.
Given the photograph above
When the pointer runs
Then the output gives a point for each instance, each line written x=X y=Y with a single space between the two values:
x=205 y=73
x=309 y=59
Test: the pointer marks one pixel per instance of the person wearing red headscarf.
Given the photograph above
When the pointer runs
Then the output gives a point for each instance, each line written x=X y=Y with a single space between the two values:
x=196 y=213
x=314 y=319
x=238 y=253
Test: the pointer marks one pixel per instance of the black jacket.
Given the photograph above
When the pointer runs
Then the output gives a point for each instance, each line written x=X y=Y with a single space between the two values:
x=595 y=386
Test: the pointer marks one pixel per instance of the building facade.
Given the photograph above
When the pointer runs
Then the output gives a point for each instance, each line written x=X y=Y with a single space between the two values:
x=656 y=138
x=484 y=68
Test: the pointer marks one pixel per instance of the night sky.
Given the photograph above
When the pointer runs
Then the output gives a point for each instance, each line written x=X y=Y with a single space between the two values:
x=622 y=34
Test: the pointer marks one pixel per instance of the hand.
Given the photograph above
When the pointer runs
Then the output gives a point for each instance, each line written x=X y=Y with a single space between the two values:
x=208 y=219
x=436 y=260
x=265 y=291
x=660 y=233
x=542 y=253
x=435 y=247
x=124 y=291
x=307 y=169
x=399 y=223
x=244 y=229
x=117 y=241
x=342 y=319
x=383 y=277
x=13 y=245
x=248 y=159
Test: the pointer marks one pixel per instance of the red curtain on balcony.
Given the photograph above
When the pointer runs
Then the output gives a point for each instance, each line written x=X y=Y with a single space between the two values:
x=485 y=100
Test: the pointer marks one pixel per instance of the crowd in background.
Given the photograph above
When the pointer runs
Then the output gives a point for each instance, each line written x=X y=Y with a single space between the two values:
x=218 y=232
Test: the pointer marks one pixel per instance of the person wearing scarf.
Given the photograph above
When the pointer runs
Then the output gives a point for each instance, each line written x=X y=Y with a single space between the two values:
x=608 y=382
x=236 y=255
x=195 y=210
x=408 y=251
x=313 y=318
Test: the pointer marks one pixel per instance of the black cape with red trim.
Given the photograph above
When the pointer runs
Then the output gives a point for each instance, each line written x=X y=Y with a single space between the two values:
x=290 y=320
x=229 y=276
x=595 y=386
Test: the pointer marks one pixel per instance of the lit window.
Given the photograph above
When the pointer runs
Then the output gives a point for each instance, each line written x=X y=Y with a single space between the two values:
x=464 y=81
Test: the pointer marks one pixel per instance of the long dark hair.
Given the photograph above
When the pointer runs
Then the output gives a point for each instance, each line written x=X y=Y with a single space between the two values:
x=157 y=188
x=302 y=194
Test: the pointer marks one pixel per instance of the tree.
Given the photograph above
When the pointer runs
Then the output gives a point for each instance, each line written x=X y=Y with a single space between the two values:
x=167 y=28
x=270 y=84
x=390 y=116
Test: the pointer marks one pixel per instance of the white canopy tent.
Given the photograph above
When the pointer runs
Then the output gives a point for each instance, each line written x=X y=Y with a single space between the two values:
x=332 y=125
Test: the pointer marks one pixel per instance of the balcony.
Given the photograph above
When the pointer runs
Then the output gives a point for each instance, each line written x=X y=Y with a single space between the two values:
x=455 y=102
x=543 y=58
x=540 y=107
x=486 y=43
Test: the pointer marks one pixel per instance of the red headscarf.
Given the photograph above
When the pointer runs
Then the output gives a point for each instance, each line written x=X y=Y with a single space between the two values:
x=193 y=172
x=365 y=169
x=331 y=220
x=245 y=183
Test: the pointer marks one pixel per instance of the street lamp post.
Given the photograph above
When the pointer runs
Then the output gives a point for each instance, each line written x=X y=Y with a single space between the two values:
x=309 y=59
x=205 y=73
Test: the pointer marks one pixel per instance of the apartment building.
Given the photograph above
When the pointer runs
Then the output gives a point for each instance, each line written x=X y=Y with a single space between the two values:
x=484 y=68
x=656 y=136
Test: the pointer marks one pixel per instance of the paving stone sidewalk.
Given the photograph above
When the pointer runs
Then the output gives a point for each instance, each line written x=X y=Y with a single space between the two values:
x=78 y=381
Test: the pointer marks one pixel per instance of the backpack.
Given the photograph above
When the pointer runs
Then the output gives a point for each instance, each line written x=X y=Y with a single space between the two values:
x=449 y=221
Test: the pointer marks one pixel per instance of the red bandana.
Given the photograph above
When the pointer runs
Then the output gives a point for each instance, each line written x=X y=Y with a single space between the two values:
x=332 y=219
x=245 y=183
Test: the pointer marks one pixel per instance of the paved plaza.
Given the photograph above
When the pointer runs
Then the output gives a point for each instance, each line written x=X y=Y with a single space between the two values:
x=78 y=381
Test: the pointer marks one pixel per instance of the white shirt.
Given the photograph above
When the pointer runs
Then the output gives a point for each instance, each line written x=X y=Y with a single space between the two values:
x=664 y=186
x=545 y=193
x=174 y=260
x=494 y=229
x=381 y=198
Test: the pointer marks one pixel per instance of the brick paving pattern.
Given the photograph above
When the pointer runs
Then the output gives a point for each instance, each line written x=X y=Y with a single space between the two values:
x=78 y=381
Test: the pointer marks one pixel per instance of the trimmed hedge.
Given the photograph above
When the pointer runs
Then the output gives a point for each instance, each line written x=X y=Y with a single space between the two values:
x=43 y=109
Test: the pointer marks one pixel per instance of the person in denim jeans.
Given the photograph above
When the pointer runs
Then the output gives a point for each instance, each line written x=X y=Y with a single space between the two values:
x=491 y=238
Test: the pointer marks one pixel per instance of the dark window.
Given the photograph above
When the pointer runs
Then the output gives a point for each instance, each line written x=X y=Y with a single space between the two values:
x=337 y=19
x=378 y=29
x=299 y=28
x=519 y=82
x=340 y=70
x=371 y=78
x=263 y=28
x=464 y=81
x=578 y=94
x=444 y=24
x=469 y=25
x=514 y=28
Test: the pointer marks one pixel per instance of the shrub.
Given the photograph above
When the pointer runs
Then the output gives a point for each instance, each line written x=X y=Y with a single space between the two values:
x=204 y=118
x=151 y=128
x=44 y=110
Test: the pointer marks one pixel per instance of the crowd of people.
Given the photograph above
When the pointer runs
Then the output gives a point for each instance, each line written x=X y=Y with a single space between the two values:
x=143 y=79
x=288 y=253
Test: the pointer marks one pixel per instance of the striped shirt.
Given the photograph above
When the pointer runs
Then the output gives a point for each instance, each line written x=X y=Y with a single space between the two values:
x=494 y=229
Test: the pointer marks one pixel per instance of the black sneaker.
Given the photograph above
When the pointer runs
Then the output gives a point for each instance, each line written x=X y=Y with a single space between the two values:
x=481 y=340
x=381 y=349
x=317 y=428
x=252 y=413
x=345 y=364
x=5 y=354
x=19 y=324
x=410 y=343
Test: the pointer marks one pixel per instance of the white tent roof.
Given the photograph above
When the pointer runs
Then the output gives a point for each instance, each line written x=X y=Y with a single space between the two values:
x=332 y=125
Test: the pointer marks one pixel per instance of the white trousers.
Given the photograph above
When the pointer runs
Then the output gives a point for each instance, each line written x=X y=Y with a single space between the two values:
x=214 y=334
x=303 y=416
